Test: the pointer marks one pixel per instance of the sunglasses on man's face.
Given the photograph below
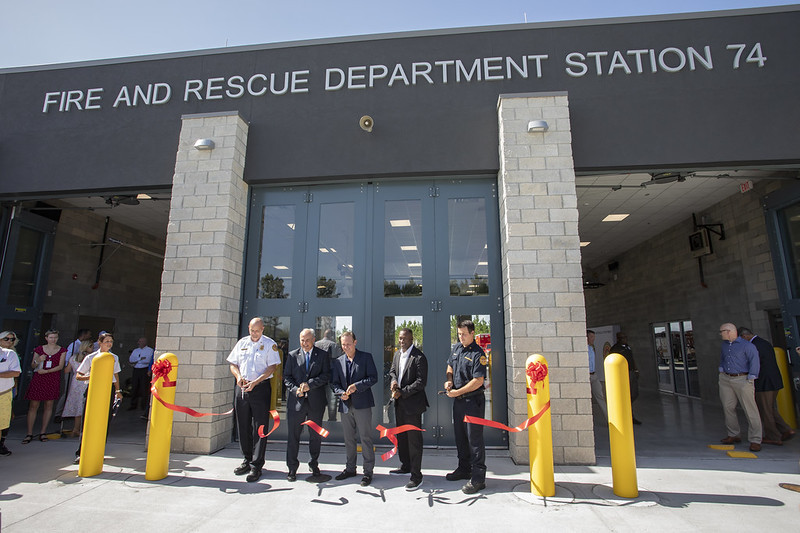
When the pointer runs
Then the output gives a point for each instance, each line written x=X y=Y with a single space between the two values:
x=9 y=338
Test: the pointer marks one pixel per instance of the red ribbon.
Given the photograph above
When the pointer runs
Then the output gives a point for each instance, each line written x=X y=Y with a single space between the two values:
x=161 y=369
x=390 y=433
x=491 y=423
x=313 y=425
x=275 y=418
x=536 y=372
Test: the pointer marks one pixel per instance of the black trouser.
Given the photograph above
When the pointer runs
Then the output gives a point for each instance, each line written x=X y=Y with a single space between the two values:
x=141 y=387
x=469 y=437
x=409 y=443
x=295 y=419
x=252 y=411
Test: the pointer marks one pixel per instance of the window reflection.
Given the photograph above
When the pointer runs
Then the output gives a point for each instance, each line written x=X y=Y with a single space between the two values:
x=402 y=268
x=391 y=331
x=277 y=329
x=327 y=330
x=469 y=262
x=336 y=250
x=23 y=273
x=483 y=336
x=277 y=252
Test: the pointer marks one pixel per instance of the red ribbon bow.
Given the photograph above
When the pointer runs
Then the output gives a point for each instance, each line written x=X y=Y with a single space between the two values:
x=537 y=372
x=161 y=369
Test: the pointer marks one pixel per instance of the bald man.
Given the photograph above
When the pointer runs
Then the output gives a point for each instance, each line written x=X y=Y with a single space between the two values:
x=738 y=370
x=252 y=362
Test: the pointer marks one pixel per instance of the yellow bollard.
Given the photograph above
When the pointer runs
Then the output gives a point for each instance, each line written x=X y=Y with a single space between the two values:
x=620 y=426
x=160 y=439
x=95 y=424
x=785 y=400
x=540 y=433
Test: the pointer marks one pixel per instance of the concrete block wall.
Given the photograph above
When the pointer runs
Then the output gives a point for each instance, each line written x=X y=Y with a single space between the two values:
x=541 y=262
x=198 y=316
x=128 y=290
x=659 y=280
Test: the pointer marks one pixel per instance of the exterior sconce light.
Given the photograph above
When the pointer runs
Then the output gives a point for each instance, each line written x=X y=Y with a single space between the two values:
x=537 y=126
x=204 y=144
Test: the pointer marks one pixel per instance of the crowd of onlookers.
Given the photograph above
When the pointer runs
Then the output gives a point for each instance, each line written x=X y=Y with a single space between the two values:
x=59 y=381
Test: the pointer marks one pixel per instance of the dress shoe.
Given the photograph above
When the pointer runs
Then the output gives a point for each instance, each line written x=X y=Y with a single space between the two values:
x=242 y=469
x=773 y=442
x=344 y=475
x=399 y=471
x=755 y=447
x=413 y=484
x=787 y=435
x=731 y=440
x=315 y=472
x=456 y=475
x=472 y=487
x=366 y=480
x=291 y=476
x=254 y=476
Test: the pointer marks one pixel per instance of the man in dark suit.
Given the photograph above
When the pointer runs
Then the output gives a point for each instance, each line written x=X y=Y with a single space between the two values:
x=354 y=374
x=409 y=375
x=769 y=382
x=306 y=373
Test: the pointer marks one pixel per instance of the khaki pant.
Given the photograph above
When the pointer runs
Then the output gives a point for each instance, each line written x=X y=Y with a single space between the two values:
x=737 y=389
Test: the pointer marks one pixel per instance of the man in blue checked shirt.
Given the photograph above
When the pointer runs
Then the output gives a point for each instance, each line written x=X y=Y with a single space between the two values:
x=738 y=369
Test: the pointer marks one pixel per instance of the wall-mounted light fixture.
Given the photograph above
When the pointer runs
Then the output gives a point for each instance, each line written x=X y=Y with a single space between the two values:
x=537 y=126
x=204 y=144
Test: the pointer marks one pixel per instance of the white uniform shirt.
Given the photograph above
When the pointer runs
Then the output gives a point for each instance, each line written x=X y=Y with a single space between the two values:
x=141 y=357
x=86 y=365
x=9 y=362
x=254 y=357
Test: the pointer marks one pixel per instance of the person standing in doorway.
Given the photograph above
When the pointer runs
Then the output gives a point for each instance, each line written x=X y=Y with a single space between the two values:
x=738 y=369
x=354 y=374
x=594 y=377
x=409 y=375
x=622 y=348
x=252 y=362
x=142 y=360
x=769 y=382
x=466 y=372
x=68 y=379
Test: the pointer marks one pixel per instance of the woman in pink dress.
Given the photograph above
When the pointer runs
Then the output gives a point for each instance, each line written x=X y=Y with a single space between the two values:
x=47 y=363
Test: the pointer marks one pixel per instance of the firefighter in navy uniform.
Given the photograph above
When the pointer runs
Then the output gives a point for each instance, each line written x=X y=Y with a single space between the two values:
x=466 y=372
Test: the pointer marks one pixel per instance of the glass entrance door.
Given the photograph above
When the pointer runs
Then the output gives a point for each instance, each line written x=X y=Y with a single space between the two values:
x=676 y=360
x=25 y=256
x=374 y=258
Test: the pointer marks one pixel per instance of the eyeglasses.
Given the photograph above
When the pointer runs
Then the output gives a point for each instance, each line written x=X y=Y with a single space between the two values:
x=7 y=339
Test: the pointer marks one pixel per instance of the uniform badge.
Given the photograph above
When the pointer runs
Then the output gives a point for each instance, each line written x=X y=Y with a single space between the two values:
x=275 y=347
x=260 y=347
x=484 y=361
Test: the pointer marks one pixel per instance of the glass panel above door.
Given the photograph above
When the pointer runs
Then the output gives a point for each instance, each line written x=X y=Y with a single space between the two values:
x=277 y=252
x=336 y=250
x=402 y=268
x=468 y=247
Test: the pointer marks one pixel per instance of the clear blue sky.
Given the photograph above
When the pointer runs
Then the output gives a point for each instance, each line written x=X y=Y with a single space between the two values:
x=37 y=32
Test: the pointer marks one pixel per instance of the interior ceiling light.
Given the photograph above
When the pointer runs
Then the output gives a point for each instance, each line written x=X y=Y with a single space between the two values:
x=280 y=267
x=411 y=248
x=400 y=223
x=617 y=217
x=585 y=243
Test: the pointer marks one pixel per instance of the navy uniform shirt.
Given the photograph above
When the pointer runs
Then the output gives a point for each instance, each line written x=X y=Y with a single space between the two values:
x=468 y=362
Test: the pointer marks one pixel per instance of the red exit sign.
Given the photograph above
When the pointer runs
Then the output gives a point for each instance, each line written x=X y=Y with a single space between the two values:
x=746 y=186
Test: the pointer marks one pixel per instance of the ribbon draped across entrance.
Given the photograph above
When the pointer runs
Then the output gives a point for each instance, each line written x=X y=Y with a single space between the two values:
x=391 y=434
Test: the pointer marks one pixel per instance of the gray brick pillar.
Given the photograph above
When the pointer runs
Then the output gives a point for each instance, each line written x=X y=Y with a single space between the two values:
x=542 y=281
x=198 y=318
